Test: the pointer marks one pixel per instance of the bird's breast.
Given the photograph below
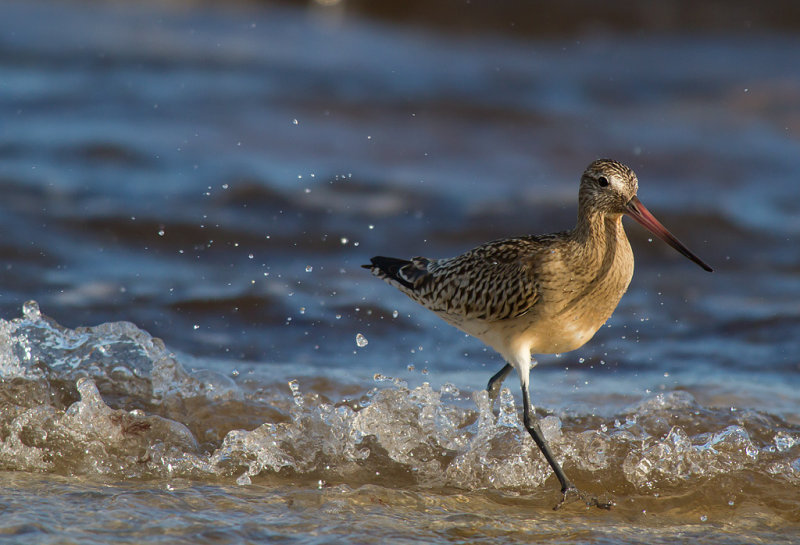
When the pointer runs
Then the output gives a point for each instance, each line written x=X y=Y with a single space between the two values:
x=582 y=298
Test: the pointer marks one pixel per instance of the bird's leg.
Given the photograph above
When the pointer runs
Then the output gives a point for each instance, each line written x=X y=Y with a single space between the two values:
x=532 y=425
x=567 y=488
x=493 y=388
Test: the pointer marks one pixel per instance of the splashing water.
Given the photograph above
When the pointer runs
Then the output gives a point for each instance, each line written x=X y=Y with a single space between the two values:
x=418 y=436
x=110 y=401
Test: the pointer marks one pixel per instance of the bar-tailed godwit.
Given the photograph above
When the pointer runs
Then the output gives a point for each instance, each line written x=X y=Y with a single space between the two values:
x=539 y=294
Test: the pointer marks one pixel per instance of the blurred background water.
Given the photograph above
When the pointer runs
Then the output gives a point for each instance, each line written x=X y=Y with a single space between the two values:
x=213 y=174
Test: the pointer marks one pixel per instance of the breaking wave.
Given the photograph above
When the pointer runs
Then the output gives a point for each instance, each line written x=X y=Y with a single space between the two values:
x=112 y=400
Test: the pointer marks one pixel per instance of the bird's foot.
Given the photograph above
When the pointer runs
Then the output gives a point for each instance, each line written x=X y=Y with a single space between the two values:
x=571 y=493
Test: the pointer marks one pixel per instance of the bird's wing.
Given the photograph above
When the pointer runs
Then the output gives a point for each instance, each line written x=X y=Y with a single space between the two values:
x=492 y=282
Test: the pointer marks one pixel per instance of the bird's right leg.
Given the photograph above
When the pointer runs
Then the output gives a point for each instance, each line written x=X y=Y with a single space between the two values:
x=532 y=426
x=493 y=388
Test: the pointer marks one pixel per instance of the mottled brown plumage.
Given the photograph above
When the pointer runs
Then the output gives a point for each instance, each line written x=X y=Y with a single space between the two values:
x=538 y=294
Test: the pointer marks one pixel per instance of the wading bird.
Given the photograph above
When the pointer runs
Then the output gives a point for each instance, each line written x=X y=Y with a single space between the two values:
x=538 y=294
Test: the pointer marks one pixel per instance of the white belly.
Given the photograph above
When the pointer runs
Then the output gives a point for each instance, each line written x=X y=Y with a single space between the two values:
x=541 y=336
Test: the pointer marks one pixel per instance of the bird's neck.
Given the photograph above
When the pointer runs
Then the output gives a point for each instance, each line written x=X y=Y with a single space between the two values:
x=603 y=254
x=595 y=228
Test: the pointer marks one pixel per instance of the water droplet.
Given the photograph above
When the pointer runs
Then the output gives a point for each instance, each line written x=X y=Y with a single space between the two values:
x=361 y=341
x=161 y=232
x=309 y=268
x=195 y=326
x=31 y=310
x=395 y=314
x=294 y=386
x=450 y=389
x=295 y=122
x=343 y=240
x=703 y=518
x=784 y=441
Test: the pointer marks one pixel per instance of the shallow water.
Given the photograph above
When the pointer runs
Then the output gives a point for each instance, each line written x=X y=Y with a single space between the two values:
x=215 y=176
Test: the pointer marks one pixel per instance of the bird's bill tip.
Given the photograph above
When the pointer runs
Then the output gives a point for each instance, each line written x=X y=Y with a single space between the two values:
x=641 y=214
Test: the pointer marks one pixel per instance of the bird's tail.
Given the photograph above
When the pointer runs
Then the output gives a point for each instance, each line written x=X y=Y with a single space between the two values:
x=391 y=270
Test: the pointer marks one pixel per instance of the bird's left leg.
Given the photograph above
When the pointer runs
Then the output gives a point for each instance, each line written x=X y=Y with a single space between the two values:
x=493 y=388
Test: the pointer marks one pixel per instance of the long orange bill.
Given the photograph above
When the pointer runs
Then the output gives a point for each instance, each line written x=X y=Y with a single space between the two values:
x=637 y=211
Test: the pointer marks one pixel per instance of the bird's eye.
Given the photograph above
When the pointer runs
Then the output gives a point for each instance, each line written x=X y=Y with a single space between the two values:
x=602 y=181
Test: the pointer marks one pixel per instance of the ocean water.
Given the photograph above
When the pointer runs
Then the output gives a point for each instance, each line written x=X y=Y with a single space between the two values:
x=191 y=353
